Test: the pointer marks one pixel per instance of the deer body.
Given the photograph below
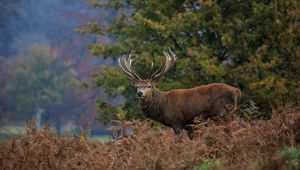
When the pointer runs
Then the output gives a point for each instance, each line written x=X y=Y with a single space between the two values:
x=177 y=108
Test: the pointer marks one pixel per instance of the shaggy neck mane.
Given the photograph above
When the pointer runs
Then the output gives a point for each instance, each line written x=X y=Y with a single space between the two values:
x=154 y=106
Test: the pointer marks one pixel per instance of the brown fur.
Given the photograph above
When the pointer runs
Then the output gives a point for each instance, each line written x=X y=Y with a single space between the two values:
x=177 y=108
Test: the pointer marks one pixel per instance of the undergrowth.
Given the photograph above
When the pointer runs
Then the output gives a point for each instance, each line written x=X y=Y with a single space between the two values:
x=264 y=144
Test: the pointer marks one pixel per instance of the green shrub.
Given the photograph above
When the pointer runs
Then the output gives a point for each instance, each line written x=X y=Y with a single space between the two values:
x=208 y=165
x=291 y=156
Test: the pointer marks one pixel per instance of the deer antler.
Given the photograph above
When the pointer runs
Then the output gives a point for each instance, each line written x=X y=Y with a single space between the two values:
x=125 y=64
x=170 y=59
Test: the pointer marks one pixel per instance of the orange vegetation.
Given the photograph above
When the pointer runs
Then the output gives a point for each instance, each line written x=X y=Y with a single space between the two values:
x=235 y=145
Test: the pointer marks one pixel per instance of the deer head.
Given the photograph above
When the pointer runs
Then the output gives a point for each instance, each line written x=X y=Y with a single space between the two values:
x=145 y=86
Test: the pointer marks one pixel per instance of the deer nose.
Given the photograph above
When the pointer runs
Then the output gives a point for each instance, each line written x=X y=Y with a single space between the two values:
x=139 y=94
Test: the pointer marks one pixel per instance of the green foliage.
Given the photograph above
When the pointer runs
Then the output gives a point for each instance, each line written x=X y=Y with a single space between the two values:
x=249 y=111
x=253 y=45
x=38 y=80
x=291 y=156
x=287 y=158
x=107 y=109
x=115 y=84
x=208 y=165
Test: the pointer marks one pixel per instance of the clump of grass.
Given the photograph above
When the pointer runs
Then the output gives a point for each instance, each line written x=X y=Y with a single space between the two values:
x=286 y=158
x=208 y=165
x=291 y=157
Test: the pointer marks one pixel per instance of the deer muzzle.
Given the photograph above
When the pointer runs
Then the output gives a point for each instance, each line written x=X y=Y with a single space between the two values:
x=139 y=94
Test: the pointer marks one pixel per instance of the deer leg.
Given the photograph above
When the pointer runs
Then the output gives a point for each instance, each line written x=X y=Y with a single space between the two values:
x=177 y=128
x=190 y=131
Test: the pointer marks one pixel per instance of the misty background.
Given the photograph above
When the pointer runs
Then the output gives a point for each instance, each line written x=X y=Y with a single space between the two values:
x=43 y=62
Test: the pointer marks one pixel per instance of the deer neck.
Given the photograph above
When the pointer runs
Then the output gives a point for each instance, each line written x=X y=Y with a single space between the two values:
x=154 y=106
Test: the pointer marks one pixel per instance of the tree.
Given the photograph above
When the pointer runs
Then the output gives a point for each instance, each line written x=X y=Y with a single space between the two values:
x=27 y=22
x=249 y=44
x=8 y=8
x=5 y=80
x=39 y=80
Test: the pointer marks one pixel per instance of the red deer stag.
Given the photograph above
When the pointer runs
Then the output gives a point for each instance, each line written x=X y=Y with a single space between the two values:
x=177 y=108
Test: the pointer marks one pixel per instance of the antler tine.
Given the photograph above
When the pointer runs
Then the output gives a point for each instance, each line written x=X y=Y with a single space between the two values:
x=150 y=72
x=125 y=64
x=157 y=70
x=170 y=59
x=131 y=68
x=121 y=62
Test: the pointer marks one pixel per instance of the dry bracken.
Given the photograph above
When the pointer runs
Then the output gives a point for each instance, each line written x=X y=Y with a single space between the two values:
x=235 y=145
